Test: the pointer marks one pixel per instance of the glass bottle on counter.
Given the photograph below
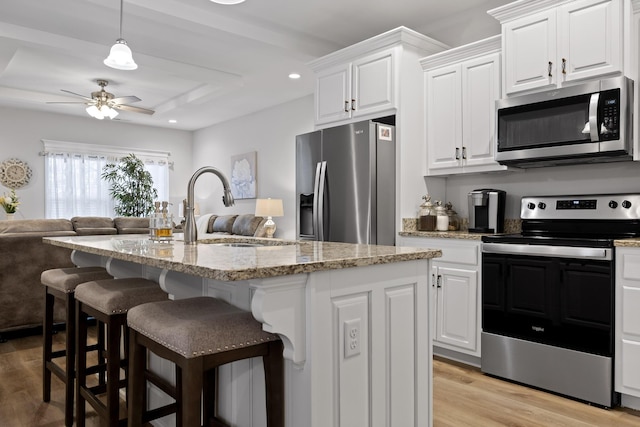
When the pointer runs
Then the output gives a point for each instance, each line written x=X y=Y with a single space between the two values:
x=442 y=219
x=153 y=221
x=454 y=219
x=426 y=215
x=161 y=223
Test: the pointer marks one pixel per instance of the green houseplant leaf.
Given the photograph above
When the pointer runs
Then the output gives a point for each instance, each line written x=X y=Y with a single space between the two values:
x=131 y=186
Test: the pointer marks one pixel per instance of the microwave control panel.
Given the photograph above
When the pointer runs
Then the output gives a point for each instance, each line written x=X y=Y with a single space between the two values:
x=610 y=114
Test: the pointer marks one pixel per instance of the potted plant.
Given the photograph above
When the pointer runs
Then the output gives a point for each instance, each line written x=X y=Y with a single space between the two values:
x=131 y=186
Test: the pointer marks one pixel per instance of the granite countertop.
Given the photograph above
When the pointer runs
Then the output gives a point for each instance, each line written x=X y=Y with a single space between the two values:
x=443 y=234
x=628 y=243
x=229 y=263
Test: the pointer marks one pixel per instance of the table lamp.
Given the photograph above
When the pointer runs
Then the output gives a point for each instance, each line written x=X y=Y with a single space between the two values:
x=269 y=208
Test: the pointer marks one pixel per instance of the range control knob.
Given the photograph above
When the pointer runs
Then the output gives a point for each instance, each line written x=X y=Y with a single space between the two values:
x=626 y=204
x=542 y=205
x=613 y=204
x=531 y=205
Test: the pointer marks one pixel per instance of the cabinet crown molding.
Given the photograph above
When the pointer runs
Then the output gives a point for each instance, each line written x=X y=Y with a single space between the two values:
x=521 y=8
x=401 y=36
x=461 y=53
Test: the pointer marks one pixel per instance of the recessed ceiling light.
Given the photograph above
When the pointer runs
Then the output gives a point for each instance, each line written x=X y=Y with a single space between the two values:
x=227 y=1
x=294 y=76
x=173 y=121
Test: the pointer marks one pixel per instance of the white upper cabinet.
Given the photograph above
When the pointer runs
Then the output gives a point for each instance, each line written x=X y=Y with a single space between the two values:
x=548 y=43
x=462 y=86
x=529 y=52
x=362 y=87
x=364 y=81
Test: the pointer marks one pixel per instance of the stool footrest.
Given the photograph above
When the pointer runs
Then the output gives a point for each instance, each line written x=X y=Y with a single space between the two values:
x=163 y=411
x=59 y=372
x=161 y=383
x=58 y=353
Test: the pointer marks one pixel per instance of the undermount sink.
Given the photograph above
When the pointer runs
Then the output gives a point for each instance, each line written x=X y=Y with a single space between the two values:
x=238 y=245
x=239 y=242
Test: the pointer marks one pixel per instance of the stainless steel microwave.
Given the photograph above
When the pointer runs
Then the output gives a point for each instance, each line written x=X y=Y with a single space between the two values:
x=586 y=123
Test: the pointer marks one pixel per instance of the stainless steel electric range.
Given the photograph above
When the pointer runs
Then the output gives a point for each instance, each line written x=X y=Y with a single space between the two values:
x=548 y=294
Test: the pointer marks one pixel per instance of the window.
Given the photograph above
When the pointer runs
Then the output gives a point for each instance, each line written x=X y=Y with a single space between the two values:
x=73 y=184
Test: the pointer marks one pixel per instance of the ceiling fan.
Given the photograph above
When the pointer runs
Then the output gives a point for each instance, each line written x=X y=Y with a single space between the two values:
x=103 y=104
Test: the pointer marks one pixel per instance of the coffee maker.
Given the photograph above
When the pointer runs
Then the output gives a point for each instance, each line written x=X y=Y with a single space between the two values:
x=486 y=210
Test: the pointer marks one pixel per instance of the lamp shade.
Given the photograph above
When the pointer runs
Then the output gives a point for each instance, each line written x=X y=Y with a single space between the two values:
x=269 y=207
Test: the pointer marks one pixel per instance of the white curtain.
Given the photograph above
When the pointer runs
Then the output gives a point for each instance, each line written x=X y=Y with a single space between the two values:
x=73 y=183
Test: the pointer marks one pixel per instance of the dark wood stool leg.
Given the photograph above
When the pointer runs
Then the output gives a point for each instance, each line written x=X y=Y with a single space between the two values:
x=81 y=363
x=47 y=344
x=113 y=371
x=209 y=393
x=274 y=384
x=192 y=376
x=101 y=331
x=137 y=383
x=70 y=359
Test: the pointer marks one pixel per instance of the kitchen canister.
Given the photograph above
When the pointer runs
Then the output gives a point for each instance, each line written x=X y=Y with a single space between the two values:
x=442 y=219
x=426 y=215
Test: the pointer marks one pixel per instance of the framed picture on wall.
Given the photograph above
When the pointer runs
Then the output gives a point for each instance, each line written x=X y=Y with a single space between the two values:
x=243 y=175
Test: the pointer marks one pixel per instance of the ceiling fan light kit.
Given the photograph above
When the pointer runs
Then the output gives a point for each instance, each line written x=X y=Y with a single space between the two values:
x=102 y=112
x=228 y=1
x=120 y=56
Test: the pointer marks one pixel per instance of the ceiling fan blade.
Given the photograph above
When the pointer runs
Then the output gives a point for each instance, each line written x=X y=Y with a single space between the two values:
x=68 y=102
x=77 y=94
x=125 y=99
x=133 y=109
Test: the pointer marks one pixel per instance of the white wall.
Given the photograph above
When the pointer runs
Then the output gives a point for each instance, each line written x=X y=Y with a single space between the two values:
x=272 y=134
x=600 y=178
x=21 y=132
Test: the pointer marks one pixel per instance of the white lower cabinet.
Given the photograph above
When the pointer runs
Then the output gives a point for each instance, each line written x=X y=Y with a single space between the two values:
x=627 y=339
x=456 y=298
x=456 y=307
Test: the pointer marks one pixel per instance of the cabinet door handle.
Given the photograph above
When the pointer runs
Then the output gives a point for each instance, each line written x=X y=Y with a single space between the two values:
x=549 y=70
x=353 y=104
x=564 y=66
x=346 y=106
x=464 y=153
x=439 y=281
x=457 y=153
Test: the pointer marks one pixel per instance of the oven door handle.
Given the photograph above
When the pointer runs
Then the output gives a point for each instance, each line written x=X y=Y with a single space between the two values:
x=548 y=251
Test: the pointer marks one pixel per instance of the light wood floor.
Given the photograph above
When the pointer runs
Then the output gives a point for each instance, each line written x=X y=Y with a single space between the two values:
x=463 y=396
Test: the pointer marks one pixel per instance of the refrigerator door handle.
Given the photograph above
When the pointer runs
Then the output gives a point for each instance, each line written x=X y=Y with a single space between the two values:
x=316 y=198
x=321 y=173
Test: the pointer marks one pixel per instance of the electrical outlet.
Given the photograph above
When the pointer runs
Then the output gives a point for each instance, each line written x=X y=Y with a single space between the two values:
x=351 y=338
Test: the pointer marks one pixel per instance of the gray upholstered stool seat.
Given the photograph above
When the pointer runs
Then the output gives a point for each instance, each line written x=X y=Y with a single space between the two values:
x=119 y=295
x=66 y=279
x=198 y=335
x=108 y=301
x=198 y=326
x=60 y=284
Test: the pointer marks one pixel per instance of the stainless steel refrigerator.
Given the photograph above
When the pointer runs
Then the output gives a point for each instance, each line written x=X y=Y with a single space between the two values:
x=345 y=184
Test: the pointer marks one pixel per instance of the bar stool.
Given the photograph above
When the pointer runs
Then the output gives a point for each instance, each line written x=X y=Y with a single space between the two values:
x=60 y=284
x=198 y=335
x=108 y=302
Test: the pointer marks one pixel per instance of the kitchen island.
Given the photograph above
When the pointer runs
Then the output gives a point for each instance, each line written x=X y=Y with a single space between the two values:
x=354 y=320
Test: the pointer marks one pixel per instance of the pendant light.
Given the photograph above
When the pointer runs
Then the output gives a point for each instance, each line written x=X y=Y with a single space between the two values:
x=120 y=56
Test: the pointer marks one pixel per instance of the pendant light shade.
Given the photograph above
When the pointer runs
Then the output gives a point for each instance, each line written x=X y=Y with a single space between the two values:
x=120 y=56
